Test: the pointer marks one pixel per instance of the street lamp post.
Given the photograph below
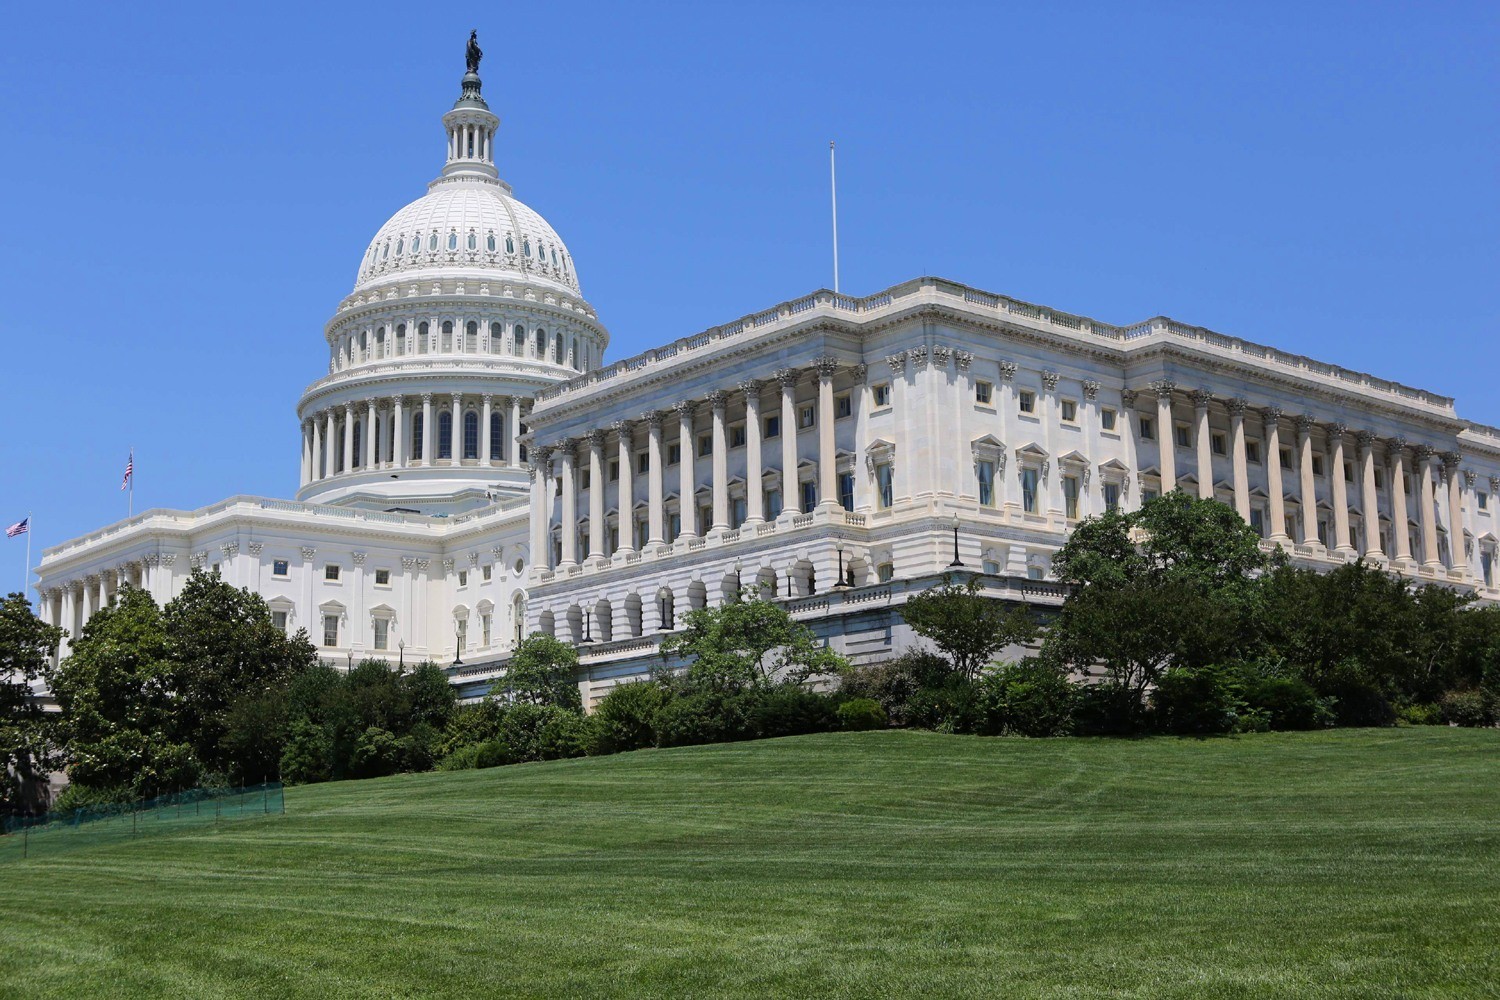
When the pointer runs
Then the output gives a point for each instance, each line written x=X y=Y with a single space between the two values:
x=739 y=583
x=839 y=584
x=957 y=562
x=588 y=625
x=401 y=654
x=458 y=660
x=664 y=627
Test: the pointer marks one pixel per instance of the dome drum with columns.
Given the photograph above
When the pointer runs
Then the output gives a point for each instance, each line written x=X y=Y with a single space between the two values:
x=466 y=304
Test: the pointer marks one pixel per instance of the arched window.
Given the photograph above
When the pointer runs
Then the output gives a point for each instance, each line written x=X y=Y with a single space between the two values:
x=471 y=435
x=554 y=256
x=447 y=337
x=497 y=338
x=541 y=345
x=497 y=437
x=416 y=437
x=354 y=459
x=557 y=345
x=400 y=245
x=432 y=242
x=385 y=251
x=575 y=354
x=510 y=245
x=445 y=435
x=518 y=616
x=526 y=245
x=473 y=241
x=471 y=337
x=452 y=240
x=400 y=339
x=518 y=344
x=364 y=346
x=489 y=243
x=422 y=332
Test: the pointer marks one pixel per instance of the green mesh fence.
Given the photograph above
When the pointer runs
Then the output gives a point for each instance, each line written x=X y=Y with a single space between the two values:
x=39 y=836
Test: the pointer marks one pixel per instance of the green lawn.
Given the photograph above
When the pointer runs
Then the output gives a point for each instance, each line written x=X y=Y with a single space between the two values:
x=1341 y=864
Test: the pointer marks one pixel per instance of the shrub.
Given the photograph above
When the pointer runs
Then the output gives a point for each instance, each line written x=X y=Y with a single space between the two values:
x=1425 y=713
x=1356 y=703
x=544 y=732
x=626 y=718
x=859 y=714
x=491 y=753
x=954 y=706
x=306 y=756
x=705 y=717
x=790 y=710
x=377 y=752
x=1107 y=709
x=1288 y=703
x=470 y=725
x=83 y=797
x=895 y=682
x=1467 y=708
x=1198 y=701
x=1029 y=698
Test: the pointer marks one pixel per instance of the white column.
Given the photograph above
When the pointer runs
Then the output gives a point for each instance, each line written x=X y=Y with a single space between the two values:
x=329 y=447
x=1130 y=421
x=790 y=502
x=655 y=483
x=317 y=449
x=1307 y=490
x=485 y=441
x=1456 y=560
x=755 y=509
x=515 y=432
x=1272 y=416
x=455 y=430
x=569 y=522
x=1203 y=437
x=369 y=441
x=306 y=452
x=597 y=488
x=1400 y=533
x=427 y=432
x=1166 y=433
x=625 y=490
x=1241 y=470
x=719 y=402
x=686 y=480
x=541 y=508
x=1428 y=514
x=1370 y=499
x=1340 y=491
x=828 y=494
x=398 y=433
x=348 y=437
x=69 y=612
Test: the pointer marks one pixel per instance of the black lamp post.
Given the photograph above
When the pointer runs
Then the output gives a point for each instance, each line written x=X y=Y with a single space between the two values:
x=588 y=625
x=401 y=654
x=664 y=627
x=739 y=583
x=839 y=584
x=458 y=660
x=957 y=562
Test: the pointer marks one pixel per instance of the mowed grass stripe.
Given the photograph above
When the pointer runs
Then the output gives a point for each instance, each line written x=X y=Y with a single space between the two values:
x=1341 y=864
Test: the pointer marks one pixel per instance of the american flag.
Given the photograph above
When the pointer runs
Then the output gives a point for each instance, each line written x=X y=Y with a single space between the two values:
x=129 y=471
x=19 y=528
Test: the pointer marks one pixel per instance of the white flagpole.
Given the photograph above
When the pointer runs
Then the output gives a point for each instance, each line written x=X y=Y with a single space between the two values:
x=833 y=181
x=26 y=573
x=130 y=504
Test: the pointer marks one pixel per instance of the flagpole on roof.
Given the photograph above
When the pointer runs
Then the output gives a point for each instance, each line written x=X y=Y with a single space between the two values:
x=26 y=573
x=833 y=186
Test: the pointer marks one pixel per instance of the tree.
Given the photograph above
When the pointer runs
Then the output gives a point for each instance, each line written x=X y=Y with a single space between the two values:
x=544 y=671
x=968 y=627
x=749 y=644
x=27 y=750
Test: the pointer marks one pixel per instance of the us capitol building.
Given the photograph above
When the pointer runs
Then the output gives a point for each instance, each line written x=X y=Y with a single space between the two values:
x=472 y=470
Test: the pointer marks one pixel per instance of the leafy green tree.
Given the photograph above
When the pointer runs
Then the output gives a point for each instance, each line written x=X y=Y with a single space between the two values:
x=544 y=671
x=749 y=644
x=966 y=626
x=27 y=750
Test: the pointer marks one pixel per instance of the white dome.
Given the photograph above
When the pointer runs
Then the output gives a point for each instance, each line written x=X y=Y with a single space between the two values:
x=468 y=225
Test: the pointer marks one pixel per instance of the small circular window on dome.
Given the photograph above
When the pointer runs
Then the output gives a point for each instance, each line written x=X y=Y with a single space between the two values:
x=473 y=242
x=489 y=243
x=452 y=241
x=520 y=566
x=432 y=242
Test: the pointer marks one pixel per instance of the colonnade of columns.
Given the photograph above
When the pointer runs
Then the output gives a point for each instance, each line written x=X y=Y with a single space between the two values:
x=1438 y=476
x=578 y=349
x=399 y=432
x=70 y=604
x=566 y=459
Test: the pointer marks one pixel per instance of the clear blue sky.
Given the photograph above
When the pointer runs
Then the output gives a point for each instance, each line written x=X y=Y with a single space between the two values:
x=188 y=189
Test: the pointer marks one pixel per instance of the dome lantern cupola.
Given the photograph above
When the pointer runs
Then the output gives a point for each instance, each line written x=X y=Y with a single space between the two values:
x=471 y=125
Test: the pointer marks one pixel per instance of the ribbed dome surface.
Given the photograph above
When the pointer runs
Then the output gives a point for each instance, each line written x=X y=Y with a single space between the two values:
x=465 y=226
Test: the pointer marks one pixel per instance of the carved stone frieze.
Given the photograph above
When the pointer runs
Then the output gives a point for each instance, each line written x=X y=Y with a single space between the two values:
x=358 y=557
x=308 y=552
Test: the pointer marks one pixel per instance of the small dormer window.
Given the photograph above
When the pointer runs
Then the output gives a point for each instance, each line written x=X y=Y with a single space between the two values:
x=473 y=242
x=510 y=245
x=554 y=258
x=385 y=251
x=400 y=245
x=526 y=246
x=452 y=241
x=489 y=243
x=432 y=242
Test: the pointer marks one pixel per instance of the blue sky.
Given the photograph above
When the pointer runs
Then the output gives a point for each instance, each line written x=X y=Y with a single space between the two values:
x=188 y=190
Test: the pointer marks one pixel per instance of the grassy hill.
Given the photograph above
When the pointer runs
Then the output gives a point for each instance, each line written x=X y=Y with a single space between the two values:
x=1340 y=864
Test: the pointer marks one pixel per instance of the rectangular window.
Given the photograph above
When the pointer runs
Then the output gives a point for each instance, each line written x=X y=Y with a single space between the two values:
x=882 y=394
x=846 y=490
x=1028 y=490
x=1348 y=472
x=279 y=567
x=1070 y=411
x=674 y=525
x=1482 y=500
x=1107 y=419
x=487 y=573
x=382 y=578
x=1111 y=496
x=1487 y=567
x=1148 y=429
x=1252 y=452
x=330 y=630
x=1325 y=533
x=984 y=392
x=1070 y=497
x=1258 y=521
x=642 y=534
x=1380 y=479
x=737 y=511
x=1317 y=465
x=1028 y=401
x=773 y=427
x=885 y=572
x=1184 y=436
x=809 y=496
x=674 y=454
x=807 y=416
x=643 y=462
x=705 y=445
x=463 y=634
x=705 y=518
x=986 y=470
x=1218 y=444
x=773 y=504
x=382 y=633
x=484 y=627
x=1148 y=495
x=1286 y=458
x=1035 y=573
x=614 y=545
x=463 y=578
x=614 y=470
x=278 y=618
x=842 y=406
x=737 y=436
x=883 y=485
x=990 y=567
x=331 y=572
